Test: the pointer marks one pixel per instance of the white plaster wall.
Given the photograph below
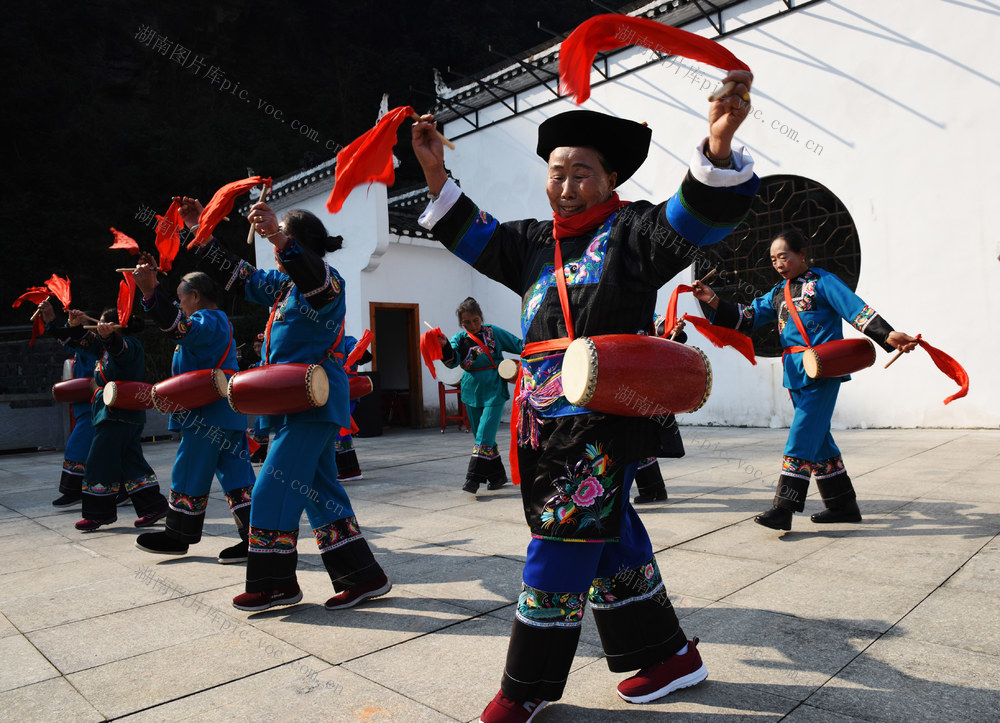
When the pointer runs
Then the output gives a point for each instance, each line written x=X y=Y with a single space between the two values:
x=892 y=106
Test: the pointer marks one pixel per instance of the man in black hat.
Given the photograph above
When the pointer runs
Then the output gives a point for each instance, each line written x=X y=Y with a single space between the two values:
x=593 y=269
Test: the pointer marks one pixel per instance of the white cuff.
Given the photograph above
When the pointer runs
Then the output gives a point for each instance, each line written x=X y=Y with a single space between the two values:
x=703 y=170
x=435 y=211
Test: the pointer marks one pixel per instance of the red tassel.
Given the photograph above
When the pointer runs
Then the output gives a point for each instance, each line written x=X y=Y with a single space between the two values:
x=37 y=329
x=359 y=349
x=221 y=206
x=950 y=367
x=60 y=287
x=607 y=32
x=368 y=158
x=253 y=445
x=124 y=241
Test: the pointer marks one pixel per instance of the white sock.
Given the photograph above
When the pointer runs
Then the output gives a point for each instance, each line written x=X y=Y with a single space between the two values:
x=683 y=650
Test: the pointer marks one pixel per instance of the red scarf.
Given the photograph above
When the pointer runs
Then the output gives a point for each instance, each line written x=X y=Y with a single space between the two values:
x=578 y=224
x=950 y=367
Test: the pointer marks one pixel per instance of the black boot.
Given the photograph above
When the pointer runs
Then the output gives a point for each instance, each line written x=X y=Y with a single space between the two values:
x=239 y=505
x=847 y=513
x=70 y=489
x=161 y=543
x=777 y=518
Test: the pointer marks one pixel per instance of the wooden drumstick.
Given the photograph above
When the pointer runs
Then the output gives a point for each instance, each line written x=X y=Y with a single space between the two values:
x=94 y=326
x=35 y=315
x=429 y=326
x=440 y=134
x=709 y=275
x=253 y=226
x=722 y=91
x=894 y=358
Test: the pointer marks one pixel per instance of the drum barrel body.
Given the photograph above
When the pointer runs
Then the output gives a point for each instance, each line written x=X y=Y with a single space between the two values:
x=838 y=358
x=636 y=376
x=359 y=386
x=190 y=390
x=72 y=391
x=128 y=395
x=279 y=389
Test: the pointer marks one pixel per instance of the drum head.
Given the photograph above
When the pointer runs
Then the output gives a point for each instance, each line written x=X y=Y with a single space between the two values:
x=507 y=369
x=110 y=394
x=318 y=385
x=448 y=375
x=220 y=382
x=579 y=371
x=811 y=363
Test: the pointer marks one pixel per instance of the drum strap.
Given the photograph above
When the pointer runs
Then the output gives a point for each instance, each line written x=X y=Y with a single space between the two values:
x=218 y=364
x=563 y=293
x=270 y=322
x=485 y=349
x=793 y=312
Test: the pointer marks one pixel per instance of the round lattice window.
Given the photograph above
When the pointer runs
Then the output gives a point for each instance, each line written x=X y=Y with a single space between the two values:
x=744 y=260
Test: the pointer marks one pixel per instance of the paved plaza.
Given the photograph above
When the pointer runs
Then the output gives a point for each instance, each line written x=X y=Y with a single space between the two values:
x=893 y=619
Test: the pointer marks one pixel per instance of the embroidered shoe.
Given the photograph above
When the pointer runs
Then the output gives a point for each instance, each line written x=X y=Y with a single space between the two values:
x=496 y=484
x=470 y=486
x=256 y=601
x=642 y=498
x=506 y=710
x=91 y=525
x=236 y=553
x=846 y=513
x=776 y=518
x=152 y=518
x=375 y=587
x=160 y=543
x=656 y=681
x=67 y=500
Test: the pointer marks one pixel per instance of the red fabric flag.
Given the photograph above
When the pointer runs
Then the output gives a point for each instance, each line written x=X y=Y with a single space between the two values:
x=368 y=158
x=123 y=241
x=950 y=367
x=720 y=336
x=168 y=238
x=607 y=32
x=358 y=351
x=60 y=287
x=253 y=445
x=37 y=329
x=430 y=348
x=126 y=295
x=221 y=205
x=34 y=295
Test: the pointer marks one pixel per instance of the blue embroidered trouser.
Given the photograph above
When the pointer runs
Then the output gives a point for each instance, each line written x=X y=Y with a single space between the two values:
x=300 y=473
x=486 y=464
x=810 y=449
x=636 y=622
x=116 y=458
x=204 y=453
x=77 y=449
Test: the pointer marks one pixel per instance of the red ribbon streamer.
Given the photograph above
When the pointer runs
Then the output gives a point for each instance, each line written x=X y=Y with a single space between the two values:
x=60 y=287
x=950 y=367
x=34 y=295
x=368 y=158
x=124 y=241
x=607 y=32
x=126 y=296
x=221 y=205
x=168 y=234
x=430 y=348
x=720 y=336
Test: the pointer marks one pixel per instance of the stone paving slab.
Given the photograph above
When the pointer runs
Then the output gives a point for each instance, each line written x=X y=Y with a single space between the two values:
x=891 y=619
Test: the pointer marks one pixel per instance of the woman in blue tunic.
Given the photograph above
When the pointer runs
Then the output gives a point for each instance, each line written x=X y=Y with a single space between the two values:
x=821 y=300
x=213 y=437
x=479 y=350
x=115 y=458
x=306 y=325
x=78 y=445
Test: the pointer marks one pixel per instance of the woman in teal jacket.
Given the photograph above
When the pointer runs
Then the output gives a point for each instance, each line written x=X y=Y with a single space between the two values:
x=479 y=350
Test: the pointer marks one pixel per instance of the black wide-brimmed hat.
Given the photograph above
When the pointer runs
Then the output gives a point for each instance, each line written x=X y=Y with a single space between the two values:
x=623 y=143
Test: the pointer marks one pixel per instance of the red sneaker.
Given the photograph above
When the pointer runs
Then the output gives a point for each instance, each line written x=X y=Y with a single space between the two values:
x=365 y=591
x=256 y=601
x=505 y=710
x=656 y=681
x=91 y=525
